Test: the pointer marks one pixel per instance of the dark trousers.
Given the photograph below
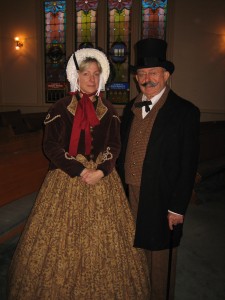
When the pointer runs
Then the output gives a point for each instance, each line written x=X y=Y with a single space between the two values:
x=157 y=260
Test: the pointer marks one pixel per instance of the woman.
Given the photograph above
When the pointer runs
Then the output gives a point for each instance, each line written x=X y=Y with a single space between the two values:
x=77 y=243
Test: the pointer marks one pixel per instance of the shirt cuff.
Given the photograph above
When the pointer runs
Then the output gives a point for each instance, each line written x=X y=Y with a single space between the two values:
x=174 y=213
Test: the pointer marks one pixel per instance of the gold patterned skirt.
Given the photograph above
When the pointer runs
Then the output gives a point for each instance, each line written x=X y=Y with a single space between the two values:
x=77 y=244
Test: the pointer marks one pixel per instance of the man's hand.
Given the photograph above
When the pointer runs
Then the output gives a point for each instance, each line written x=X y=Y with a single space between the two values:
x=91 y=176
x=174 y=219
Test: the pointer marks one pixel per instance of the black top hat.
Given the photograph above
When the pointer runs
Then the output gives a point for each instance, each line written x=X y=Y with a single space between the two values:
x=151 y=53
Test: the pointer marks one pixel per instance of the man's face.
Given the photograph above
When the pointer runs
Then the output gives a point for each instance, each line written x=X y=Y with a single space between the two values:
x=152 y=80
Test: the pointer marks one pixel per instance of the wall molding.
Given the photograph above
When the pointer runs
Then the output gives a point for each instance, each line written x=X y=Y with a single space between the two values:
x=212 y=111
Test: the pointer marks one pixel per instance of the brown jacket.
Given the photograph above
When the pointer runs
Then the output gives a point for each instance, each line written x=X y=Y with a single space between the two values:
x=105 y=137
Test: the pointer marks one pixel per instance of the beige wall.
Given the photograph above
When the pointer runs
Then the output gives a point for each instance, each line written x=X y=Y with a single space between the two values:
x=199 y=55
x=196 y=36
x=21 y=71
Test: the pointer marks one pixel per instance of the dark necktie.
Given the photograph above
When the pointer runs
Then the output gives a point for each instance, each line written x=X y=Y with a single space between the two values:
x=145 y=104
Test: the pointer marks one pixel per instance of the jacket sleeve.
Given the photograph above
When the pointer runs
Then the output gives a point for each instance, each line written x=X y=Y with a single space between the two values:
x=55 y=134
x=188 y=162
x=112 y=146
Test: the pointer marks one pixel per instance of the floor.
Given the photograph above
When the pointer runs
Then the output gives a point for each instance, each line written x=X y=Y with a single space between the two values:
x=201 y=256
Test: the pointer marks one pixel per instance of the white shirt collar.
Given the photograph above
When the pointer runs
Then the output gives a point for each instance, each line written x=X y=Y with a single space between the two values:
x=154 y=100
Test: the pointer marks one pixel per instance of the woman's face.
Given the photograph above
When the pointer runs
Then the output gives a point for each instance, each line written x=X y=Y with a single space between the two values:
x=89 y=78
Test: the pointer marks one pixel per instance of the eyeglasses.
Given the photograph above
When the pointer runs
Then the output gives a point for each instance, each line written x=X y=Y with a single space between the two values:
x=152 y=74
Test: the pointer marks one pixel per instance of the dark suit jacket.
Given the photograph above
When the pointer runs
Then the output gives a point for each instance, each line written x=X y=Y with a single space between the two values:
x=168 y=172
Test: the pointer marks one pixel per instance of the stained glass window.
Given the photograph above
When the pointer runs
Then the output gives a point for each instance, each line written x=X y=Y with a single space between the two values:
x=119 y=15
x=154 y=13
x=55 y=49
x=86 y=34
x=113 y=35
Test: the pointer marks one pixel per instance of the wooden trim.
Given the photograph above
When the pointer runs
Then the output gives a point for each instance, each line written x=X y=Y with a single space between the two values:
x=23 y=166
x=12 y=233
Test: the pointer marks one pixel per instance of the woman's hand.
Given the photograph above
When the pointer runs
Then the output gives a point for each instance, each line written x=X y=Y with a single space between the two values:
x=83 y=172
x=91 y=176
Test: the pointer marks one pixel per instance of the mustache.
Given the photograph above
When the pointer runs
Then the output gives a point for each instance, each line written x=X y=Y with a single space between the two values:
x=150 y=83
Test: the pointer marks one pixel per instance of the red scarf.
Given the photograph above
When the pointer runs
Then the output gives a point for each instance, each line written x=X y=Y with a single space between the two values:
x=85 y=117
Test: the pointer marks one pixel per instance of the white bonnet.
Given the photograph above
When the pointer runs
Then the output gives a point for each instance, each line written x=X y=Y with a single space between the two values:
x=82 y=54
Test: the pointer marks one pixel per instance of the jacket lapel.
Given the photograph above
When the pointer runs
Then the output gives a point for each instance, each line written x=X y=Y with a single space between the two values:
x=163 y=117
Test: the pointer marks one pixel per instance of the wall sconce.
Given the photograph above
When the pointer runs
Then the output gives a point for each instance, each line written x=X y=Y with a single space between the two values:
x=18 y=43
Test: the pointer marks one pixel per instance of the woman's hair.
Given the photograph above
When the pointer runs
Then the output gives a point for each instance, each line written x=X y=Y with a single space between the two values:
x=86 y=62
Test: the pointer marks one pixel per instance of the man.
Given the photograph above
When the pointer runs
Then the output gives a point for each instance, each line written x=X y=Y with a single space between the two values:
x=158 y=162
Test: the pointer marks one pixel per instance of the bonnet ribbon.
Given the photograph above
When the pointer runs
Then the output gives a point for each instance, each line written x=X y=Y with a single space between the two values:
x=85 y=117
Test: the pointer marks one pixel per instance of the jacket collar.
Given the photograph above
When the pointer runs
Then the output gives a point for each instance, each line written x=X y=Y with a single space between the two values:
x=101 y=109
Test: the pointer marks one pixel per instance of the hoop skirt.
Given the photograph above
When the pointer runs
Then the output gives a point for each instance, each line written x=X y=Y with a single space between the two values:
x=78 y=244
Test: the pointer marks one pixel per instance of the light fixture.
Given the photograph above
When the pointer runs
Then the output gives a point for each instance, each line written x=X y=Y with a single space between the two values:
x=18 y=43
